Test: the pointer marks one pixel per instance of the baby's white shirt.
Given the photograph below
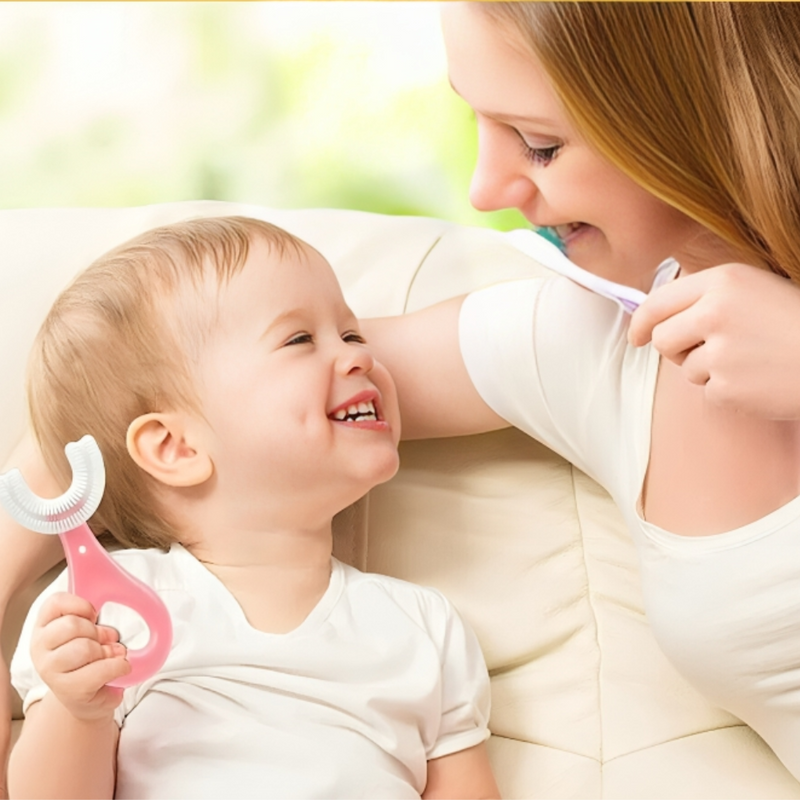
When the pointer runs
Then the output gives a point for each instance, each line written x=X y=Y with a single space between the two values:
x=553 y=359
x=381 y=676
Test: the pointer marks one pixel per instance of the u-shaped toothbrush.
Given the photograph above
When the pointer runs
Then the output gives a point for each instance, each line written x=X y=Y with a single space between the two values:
x=93 y=574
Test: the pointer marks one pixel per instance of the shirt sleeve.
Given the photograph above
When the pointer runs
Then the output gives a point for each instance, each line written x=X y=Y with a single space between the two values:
x=547 y=355
x=466 y=696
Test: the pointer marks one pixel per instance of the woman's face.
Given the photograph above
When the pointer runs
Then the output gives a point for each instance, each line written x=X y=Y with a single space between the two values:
x=531 y=157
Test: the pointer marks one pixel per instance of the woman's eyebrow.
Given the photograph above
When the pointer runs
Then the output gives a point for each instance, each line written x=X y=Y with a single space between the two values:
x=511 y=119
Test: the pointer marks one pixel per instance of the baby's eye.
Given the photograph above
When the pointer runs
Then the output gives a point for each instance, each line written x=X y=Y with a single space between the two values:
x=352 y=336
x=301 y=338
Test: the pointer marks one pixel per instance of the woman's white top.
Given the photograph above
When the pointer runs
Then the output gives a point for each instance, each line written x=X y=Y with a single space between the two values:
x=553 y=359
x=380 y=677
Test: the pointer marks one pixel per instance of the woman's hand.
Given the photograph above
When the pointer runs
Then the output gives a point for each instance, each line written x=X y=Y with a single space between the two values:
x=734 y=329
x=76 y=658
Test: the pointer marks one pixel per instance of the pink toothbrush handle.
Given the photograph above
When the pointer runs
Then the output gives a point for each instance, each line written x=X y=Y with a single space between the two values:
x=96 y=577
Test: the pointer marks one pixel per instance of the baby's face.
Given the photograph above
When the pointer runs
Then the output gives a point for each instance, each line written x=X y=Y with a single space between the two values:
x=301 y=415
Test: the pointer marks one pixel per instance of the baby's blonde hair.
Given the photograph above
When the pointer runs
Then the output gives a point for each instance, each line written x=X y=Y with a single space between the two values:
x=120 y=342
x=699 y=103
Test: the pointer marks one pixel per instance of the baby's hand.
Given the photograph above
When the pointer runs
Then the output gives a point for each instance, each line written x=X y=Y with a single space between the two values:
x=76 y=658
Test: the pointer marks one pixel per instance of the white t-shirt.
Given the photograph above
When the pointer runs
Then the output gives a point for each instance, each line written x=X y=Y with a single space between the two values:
x=553 y=359
x=382 y=676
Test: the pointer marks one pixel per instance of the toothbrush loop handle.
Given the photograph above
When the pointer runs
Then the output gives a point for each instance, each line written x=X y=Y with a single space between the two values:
x=96 y=577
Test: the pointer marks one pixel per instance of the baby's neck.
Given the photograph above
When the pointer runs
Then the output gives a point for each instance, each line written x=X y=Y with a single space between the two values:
x=277 y=577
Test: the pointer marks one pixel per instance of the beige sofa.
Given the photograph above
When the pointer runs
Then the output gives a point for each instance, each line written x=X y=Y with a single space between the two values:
x=530 y=549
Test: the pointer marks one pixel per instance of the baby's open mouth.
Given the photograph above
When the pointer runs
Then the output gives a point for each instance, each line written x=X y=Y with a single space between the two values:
x=357 y=412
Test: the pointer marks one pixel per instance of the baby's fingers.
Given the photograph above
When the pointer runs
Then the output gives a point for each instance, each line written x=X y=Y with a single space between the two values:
x=64 y=604
x=92 y=678
x=68 y=643
x=78 y=654
x=62 y=630
x=84 y=691
x=106 y=635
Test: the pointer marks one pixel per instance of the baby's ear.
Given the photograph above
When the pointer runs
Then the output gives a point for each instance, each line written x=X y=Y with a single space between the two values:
x=169 y=447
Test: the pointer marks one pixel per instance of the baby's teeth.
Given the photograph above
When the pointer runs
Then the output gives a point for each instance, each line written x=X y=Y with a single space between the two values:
x=357 y=412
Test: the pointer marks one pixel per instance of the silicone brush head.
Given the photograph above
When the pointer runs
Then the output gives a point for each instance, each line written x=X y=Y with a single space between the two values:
x=72 y=508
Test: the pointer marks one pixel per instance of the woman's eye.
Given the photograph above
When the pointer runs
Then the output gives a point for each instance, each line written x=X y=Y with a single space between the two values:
x=301 y=338
x=352 y=336
x=538 y=155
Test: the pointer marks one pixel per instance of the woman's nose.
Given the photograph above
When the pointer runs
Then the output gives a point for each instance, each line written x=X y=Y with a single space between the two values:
x=499 y=179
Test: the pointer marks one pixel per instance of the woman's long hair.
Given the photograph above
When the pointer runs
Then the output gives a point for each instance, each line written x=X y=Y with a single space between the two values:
x=699 y=103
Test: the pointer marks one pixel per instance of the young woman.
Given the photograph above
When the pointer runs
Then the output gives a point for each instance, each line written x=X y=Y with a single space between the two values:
x=652 y=138
x=641 y=132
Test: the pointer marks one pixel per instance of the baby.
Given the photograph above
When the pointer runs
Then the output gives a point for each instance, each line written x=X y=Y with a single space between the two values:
x=238 y=408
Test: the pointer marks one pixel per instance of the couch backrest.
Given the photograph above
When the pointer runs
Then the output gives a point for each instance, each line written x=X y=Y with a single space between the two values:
x=533 y=553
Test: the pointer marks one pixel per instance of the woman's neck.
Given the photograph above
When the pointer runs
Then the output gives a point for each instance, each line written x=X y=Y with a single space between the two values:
x=705 y=249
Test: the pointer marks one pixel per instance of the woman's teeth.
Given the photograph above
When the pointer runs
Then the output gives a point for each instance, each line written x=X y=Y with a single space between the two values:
x=565 y=230
x=359 y=412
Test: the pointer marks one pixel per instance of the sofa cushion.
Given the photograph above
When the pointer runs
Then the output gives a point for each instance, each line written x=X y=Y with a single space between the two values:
x=533 y=553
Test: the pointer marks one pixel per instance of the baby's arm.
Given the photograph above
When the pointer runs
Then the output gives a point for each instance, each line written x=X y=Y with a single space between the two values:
x=26 y=556
x=466 y=774
x=458 y=761
x=72 y=730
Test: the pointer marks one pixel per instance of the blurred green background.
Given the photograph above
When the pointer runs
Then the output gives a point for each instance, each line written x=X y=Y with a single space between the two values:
x=291 y=104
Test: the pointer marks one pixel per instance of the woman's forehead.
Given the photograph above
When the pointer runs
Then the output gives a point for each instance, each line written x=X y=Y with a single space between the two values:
x=492 y=74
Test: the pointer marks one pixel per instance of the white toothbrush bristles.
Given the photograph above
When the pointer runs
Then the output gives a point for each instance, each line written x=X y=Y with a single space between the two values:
x=71 y=509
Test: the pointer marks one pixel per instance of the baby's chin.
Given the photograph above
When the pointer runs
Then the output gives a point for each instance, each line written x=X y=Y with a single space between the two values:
x=380 y=471
x=387 y=468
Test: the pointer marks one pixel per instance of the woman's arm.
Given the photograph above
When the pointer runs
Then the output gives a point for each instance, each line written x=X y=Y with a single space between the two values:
x=466 y=774
x=421 y=351
x=26 y=556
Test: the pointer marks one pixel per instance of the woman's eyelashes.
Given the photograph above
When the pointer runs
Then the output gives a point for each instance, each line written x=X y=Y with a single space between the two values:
x=538 y=155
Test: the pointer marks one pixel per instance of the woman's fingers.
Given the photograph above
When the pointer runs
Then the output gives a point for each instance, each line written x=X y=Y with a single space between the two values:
x=694 y=365
x=733 y=329
x=663 y=305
